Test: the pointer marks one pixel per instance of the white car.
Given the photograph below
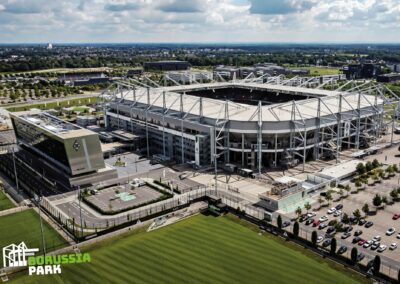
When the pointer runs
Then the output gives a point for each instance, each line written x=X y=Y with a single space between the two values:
x=337 y=213
x=332 y=210
x=323 y=219
x=390 y=231
x=382 y=248
x=398 y=235
x=367 y=244
x=376 y=238
x=320 y=239
x=393 y=246
x=311 y=214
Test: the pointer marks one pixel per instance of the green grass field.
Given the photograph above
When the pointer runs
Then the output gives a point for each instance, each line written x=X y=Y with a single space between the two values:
x=319 y=71
x=5 y=203
x=25 y=227
x=201 y=249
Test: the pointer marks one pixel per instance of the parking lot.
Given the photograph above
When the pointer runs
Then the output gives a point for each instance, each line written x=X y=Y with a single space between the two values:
x=381 y=219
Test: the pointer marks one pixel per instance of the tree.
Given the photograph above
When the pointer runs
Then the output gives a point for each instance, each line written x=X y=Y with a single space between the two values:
x=357 y=214
x=333 y=246
x=320 y=201
x=298 y=212
x=279 y=221
x=377 y=200
x=365 y=209
x=328 y=197
x=296 y=229
x=307 y=206
x=377 y=264
x=376 y=164
x=354 y=254
x=345 y=218
x=384 y=199
x=360 y=168
x=395 y=168
x=314 y=237
x=394 y=194
x=341 y=193
x=369 y=166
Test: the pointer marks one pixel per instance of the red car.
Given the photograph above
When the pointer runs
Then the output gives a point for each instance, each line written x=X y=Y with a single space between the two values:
x=361 y=242
x=316 y=223
x=396 y=216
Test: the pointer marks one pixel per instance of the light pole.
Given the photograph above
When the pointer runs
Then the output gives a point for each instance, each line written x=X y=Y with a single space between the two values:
x=39 y=200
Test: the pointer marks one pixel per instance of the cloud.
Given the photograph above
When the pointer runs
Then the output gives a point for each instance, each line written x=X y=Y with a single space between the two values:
x=275 y=7
x=199 y=20
x=182 y=6
x=122 y=6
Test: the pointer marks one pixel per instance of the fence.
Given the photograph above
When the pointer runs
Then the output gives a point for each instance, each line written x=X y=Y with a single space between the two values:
x=93 y=225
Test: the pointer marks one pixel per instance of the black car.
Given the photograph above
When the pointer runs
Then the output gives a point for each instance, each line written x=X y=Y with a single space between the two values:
x=353 y=219
x=326 y=243
x=348 y=229
x=339 y=206
x=356 y=240
x=331 y=230
x=342 y=250
x=360 y=257
x=303 y=218
x=369 y=224
x=358 y=233
x=285 y=224
x=309 y=221
x=362 y=222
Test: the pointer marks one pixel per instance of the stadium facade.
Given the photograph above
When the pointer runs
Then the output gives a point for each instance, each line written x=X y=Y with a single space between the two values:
x=252 y=123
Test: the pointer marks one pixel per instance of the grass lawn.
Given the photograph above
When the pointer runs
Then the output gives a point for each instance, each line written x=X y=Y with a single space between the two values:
x=201 y=249
x=5 y=203
x=319 y=71
x=25 y=227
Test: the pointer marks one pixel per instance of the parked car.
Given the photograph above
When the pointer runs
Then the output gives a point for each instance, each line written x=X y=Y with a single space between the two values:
x=396 y=216
x=342 y=250
x=311 y=214
x=369 y=224
x=320 y=239
x=339 y=206
x=322 y=226
x=358 y=233
x=323 y=219
x=360 y=256
x=285 y=224
x=362 y=222
x=390 y=231
x=326 y=243
x=331 y=230
x=303 y=218
x=376 y=238
x=345 y=235
x=361 y=242
x=367 y=244
x=332 y=210
x=356 y=240
x=337 y=213
x=348 y=228
x=393 y=246
x=382 y=248
x=398 y=236
x=316 y=223
x=375 y=245
x=309 y=221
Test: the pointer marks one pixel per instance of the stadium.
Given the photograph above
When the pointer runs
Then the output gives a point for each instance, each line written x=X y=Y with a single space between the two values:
x=253 y=123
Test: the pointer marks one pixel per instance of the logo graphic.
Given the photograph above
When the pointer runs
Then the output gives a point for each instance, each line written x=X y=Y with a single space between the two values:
x=16 y=255
x=76 y=145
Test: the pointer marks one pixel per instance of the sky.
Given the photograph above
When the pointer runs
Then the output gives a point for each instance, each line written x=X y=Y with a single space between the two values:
x=322 y=21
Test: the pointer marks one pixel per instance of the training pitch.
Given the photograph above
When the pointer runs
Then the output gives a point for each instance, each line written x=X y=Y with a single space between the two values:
x=25 y=227
x=5 y=203
x=201 y=249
